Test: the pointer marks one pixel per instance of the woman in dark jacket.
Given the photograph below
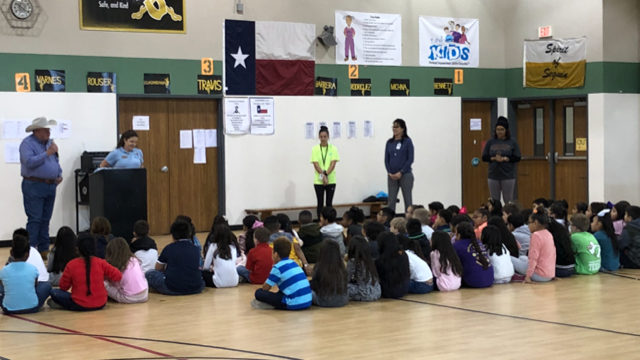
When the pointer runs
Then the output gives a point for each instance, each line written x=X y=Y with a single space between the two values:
x=502 y=153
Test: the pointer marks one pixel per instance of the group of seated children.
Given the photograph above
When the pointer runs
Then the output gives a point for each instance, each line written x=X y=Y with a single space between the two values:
x=429 y=249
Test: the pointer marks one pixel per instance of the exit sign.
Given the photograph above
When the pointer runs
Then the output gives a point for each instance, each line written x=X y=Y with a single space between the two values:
x=544 y=32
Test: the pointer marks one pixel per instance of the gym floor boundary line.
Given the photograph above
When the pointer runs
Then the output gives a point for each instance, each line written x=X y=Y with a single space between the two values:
x=186 y=357
x=626 y=276
x=149 y=340
x=523 y=318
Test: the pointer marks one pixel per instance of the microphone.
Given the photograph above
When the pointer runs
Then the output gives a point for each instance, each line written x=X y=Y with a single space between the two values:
x=51 y=143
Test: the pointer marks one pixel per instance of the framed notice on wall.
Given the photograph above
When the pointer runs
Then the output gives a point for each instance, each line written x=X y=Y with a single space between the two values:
x=163 y=16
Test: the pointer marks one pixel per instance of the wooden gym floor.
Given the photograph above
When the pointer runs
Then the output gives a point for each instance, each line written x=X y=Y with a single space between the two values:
x=583 y=317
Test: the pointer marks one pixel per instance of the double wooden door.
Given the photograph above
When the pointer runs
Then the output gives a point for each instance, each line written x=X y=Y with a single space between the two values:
x=553 y=140
x=175 y=185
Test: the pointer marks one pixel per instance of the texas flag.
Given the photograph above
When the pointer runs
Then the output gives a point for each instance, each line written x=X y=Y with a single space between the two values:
x=269 y=58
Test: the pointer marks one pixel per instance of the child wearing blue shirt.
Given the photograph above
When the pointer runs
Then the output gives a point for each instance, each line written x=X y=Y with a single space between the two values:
x=20 y=291
x=294 y=290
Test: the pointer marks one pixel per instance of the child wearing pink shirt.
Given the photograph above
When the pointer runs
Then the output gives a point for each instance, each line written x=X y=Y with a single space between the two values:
x=540 y=265
x=445 y=263
x=133 y=287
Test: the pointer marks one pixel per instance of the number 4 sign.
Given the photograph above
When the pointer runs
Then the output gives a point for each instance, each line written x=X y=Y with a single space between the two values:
x=23 y=82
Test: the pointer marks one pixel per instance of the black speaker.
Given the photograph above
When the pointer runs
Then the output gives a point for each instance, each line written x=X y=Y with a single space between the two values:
x=83 y=189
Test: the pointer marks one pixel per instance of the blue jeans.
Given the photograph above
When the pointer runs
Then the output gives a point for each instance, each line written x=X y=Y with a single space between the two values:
x=38 y=200
x=416 y=287
x=43 y=290
x=244 y=272
x=63 y=298
x=156 y=280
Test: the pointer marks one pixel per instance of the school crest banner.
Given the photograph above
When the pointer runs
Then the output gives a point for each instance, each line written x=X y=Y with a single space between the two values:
x=447 y=42
x=555 y=64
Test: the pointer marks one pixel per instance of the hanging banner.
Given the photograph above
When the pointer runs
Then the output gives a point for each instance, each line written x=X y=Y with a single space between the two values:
x=368 y=39
x=236 y=116
x=101 y=82
x=161 y=16
x=399 y=87
x=50 y=80
x=157 y=84
x=555 y=64
x=326 y=86
x=360 y=87
x=209 y=84
x=447 y=42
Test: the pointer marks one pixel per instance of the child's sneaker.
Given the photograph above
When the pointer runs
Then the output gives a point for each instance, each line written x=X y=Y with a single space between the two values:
x=54 y=305
x=261 y=305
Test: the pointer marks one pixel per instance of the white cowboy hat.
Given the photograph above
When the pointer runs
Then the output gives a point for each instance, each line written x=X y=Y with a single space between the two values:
x=41 y=123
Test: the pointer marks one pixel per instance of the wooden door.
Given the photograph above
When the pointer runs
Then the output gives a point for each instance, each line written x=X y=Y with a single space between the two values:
x=155 y=148
x=194 y=187
x=534 y=139
x=571 y=160
x=475 y=190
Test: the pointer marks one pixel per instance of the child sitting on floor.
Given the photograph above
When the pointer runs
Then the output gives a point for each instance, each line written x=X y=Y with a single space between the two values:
x=499 y=255
x=85 y=277
x=352 y=220
x=144 y=247
x=363 y=277
x=617 y=216
x=399 y=226
x=133 y=287
x=311 y=236
x=630 y=239
x=480 y=218
x=384 y=217
x=371 y=230
x=101 y=231
x=477 y=271
x=604 y=231
x=194 y=239
x=20 y=291
x=294 y=290
x=177 y=271
x=330 y=230
x=421 y=278
x=245 y=240
x=220 y=263
x=520 y=231
x=393 y=267
x=423 y=216
x=579 y=208
x=585 y=246
x=35 y=258
x=442 y=221
x=64 y=251
x=414 y=229
x=259 y=260
x=273 y=225
x=329 y=281
x=539 y=266
x=445 y=263
x=434 y=208
x=410 y=209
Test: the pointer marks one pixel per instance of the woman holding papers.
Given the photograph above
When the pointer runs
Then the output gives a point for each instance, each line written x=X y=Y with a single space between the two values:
x=126 y=155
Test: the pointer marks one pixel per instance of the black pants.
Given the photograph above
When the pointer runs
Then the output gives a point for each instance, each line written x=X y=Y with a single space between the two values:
x=207 y=276
x=626 y=263
x=320 y=190
x=271 y=298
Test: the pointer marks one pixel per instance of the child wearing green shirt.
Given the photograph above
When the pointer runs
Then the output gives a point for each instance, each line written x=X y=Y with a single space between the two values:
x=585 y=246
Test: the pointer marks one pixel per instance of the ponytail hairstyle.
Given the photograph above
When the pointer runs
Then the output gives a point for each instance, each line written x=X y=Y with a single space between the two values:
x=559 y=212
x=126 y=136
x=540 y=215
x=87 y=249
x=496 y=207
x=604 y=218
x=466 y=231
x=581 y=208
x=455 y=210
x=357 y=215
x=323 y=129
x=285 y=223
x=441 y=242
x=248 y=222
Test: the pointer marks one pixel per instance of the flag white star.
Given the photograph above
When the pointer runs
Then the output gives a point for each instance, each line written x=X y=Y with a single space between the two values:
x=240 y=57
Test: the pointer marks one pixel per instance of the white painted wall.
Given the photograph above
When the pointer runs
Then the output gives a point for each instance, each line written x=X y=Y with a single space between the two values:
x=94 y=128
x=275 y=171
x=621 y=34
x=614 y=150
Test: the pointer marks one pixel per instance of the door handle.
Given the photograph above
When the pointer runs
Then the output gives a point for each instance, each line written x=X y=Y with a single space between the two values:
x=548 y=157
x=164 y=169
x=555 y=158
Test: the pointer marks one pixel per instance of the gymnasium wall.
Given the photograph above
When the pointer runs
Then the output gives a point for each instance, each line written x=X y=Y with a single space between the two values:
x=275 y=171
x=94 y=128
x=614 y=151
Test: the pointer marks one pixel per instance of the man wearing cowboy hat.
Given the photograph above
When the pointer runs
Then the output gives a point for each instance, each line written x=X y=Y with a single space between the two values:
x=41 y=173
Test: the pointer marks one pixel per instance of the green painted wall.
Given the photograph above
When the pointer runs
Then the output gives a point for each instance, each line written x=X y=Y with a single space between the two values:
x=601 y=77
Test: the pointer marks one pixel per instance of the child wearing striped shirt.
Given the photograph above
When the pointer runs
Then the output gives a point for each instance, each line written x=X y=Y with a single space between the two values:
x=294 y=290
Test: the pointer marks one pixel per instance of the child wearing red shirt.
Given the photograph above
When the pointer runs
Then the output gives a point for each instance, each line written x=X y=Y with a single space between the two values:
x=259 y=259
x=85 y=277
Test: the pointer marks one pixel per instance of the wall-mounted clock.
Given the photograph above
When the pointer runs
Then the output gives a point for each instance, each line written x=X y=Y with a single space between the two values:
x=21 y=9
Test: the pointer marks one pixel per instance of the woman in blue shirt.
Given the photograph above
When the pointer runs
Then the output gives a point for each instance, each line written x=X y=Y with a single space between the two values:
x=126 y=155
x=398 y=157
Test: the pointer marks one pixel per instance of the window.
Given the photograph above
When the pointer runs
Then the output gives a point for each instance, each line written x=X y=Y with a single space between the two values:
x=538 y=144
x=569 y=139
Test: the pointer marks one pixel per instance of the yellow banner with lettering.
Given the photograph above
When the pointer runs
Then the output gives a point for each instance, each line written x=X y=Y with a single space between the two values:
x=555 y=64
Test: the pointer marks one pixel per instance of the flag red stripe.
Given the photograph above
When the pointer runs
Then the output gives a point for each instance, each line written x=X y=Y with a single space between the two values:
x=285 y=77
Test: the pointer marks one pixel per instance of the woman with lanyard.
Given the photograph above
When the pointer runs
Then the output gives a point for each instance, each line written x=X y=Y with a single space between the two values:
x=398 y=158
x=324 y=158
x=126 y=155
x=502 y=153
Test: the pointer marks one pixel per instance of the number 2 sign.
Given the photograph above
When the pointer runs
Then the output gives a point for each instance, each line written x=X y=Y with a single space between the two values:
x=353 y=72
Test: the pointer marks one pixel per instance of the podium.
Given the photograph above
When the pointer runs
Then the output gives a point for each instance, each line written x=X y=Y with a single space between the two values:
x=119 y=195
